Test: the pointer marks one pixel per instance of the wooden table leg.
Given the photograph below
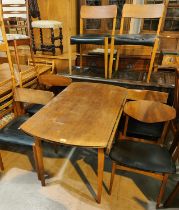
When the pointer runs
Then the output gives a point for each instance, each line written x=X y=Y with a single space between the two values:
x=100 y=173
x=38 y=147
x=1 y=163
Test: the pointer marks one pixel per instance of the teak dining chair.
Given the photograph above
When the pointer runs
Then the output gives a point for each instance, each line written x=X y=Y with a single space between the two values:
x=148 y=159
x=147 y=113
x=11 y=102
x=149 y=11
x=94 y=12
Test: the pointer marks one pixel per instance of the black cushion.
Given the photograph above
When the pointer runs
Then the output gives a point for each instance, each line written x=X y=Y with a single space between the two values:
x=143 y=156
x=33 y=109
x=97 y=39
x=148 y=131
x=12 y=134
x=135 y=39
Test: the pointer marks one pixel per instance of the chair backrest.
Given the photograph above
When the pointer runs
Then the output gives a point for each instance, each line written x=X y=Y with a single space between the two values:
x=136 y=94
x=28 y=77
x=34 y=11
x=41 y=63
x=142 y=11
x=6 y=97
x=54 y=80
x=15 y=15
x=98 y=12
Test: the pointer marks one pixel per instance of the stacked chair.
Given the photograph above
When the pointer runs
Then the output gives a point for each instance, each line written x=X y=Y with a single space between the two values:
x=138 y=11
x=11 y=103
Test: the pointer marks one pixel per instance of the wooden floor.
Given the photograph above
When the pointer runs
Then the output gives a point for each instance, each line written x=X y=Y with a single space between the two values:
x=72 y=171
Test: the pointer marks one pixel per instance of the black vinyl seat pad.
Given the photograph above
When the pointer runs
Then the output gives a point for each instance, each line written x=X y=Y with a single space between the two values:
x=13 y=135
x=97 y=39
x=34 y=108
x=135 y=39
x=143 y=156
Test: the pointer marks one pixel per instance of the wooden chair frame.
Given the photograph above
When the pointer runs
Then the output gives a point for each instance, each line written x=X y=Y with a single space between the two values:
x=96 y=12
x=18 y=42
x=141 y=12
x=174 y=151
x=11 y=101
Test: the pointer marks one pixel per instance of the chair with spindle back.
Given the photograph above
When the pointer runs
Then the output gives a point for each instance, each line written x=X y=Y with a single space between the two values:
x=53 y=25
x=11 y=102
x=94 y=12
x=151 y=160
x=149 y=11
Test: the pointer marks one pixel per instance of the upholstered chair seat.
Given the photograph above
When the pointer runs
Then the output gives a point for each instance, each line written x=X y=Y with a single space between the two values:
x=89 y=39
x=12 y=37
x=46 y=24
x=142 y=156
x=135 y=39
x=12 y=134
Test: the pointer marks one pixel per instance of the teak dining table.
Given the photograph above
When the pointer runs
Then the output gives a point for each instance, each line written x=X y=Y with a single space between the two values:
x=83 y=115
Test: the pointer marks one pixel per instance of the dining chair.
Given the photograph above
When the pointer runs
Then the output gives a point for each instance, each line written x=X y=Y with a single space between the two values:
x=151 y=160
x=94 y=12
x=16 y=22
x=51 y=82
x=11 y=101
x=1 y=163
x=154 y=118
x=37 y=23
x=149 y=11
x=142 y=130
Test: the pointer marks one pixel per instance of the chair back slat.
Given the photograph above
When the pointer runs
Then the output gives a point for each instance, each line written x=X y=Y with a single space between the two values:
x=6 y=97
x=143 y=11
x=98 y=12
x=15 y=15
x=136 y=94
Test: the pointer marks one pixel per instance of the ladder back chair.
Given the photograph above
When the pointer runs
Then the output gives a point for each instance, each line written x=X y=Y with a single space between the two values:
x=94 y=12
x=16 y=22
x=149 y=11
x=53 y=25
x=11 y=102
x=148 y=159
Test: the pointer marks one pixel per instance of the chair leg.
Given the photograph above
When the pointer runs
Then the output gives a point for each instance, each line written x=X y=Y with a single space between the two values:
x=106 y=57
x=117 y=60
x=161 y=192
x=1 y=163
x=70 y=59
x=52 y=40
x=152 y=59
x=112 y=176
x=81 y=57
x=33 y=40
x=36 y=161
x=61 y=40
x=111 y=57
x=41 y=39
x=172 y=196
